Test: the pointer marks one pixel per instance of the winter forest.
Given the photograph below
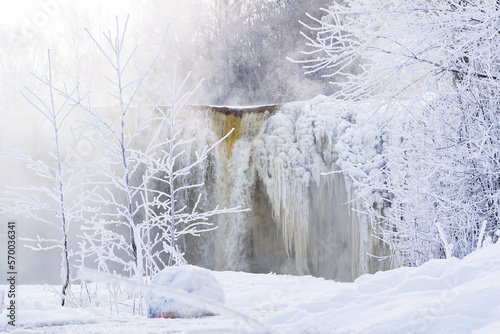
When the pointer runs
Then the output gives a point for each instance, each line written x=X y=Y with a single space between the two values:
x=265 y=166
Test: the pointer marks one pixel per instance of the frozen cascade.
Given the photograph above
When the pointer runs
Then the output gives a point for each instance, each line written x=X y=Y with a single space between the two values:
x=301 y=221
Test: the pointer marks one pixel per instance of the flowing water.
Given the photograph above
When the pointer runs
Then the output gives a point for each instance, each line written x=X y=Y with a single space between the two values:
x=300 y=220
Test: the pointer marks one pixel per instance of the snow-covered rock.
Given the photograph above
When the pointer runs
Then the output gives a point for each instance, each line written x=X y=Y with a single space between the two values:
x=191 y=279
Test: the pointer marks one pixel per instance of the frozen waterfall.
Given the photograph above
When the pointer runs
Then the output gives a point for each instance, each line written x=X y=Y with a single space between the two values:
x=301 y=221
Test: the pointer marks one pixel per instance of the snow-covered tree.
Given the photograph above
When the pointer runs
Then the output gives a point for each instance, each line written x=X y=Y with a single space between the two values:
x=137 y=184
x=438 y=59
x=115 y=136
x=49 y=203
x=167 y=166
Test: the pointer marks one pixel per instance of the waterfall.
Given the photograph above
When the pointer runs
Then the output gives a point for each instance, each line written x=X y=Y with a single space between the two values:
x=301 y=221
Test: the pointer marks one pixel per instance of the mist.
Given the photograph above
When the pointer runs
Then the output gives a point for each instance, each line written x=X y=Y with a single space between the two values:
x=238 y=49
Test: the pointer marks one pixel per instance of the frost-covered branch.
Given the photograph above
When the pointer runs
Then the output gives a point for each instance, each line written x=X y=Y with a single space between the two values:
x=50 y=204
x=116 y=138
x=436 y=64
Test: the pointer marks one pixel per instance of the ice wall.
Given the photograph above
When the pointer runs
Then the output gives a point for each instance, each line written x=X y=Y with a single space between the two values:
x=301 y=221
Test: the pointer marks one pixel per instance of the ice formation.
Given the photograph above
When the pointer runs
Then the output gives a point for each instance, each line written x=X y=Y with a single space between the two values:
x=302 y=218
x=301 y=221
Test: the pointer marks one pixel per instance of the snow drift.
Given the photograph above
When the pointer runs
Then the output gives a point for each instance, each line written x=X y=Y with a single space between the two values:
x=441 y=296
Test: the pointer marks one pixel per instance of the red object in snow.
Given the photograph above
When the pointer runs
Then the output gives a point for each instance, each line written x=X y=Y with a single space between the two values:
x=165 y=315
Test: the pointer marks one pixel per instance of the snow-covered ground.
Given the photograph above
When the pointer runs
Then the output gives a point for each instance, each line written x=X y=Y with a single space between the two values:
x=441 y=296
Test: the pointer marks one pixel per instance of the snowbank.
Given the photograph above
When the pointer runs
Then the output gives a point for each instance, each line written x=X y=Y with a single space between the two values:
x=39 y=306
x=441 y=296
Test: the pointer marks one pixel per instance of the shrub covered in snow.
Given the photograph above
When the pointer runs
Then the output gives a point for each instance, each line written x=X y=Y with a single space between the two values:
x=191 y=279
x=436 y=61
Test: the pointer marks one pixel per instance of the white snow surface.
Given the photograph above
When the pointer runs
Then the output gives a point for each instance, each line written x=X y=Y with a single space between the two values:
x=441 y=296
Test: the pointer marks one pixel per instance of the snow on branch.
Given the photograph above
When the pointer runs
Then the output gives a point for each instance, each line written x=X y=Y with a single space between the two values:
x=48 y=202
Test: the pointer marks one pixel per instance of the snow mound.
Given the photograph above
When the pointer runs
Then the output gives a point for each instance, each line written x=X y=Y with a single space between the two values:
x=441 y=296
x=37 y=306
x=191 y=279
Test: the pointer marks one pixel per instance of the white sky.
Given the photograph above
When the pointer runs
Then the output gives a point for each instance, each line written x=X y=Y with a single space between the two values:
x=11 y=12
x=14 y=14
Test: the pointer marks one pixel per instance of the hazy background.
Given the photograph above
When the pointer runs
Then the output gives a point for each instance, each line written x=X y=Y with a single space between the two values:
x=239 y=48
